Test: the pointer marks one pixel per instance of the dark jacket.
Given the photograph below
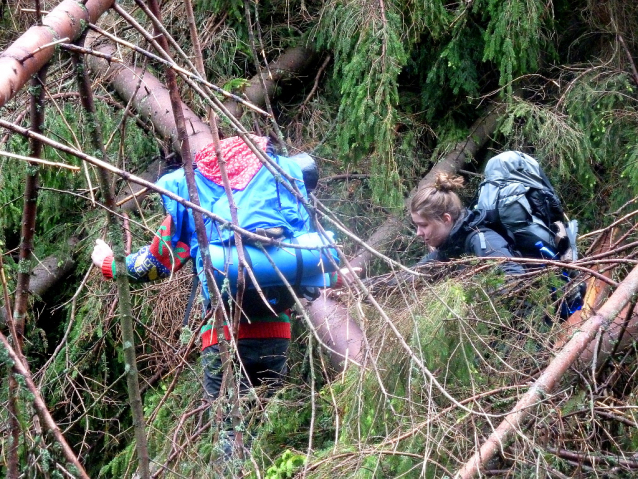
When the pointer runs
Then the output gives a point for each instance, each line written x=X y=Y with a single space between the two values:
x=469 y=237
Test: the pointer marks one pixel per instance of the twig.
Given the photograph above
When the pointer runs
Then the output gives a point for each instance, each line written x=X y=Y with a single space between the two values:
x=65 y=338
x=593 y=459
x=39 y=161
x=315 y=86
x=313 y=406
x=76 y=49
x=43 y=47
x=12 y=409
x=627 y=51
x=552 y=374
x=251 y=38
x=17 y=120
x=612 y=225
x=41 y=407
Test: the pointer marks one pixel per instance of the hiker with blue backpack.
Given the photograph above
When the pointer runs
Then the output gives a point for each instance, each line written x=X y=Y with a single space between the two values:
x=265 y=207
x=517 y=214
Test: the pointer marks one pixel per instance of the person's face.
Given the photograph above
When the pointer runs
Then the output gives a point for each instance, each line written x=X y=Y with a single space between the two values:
x=433 y=231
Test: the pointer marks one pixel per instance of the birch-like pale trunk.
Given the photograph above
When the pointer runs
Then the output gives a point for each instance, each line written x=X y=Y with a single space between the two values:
x=544 y=385
x=29 y=53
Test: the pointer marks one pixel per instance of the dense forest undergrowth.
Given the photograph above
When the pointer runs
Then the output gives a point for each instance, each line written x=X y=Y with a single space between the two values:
x=386 y=93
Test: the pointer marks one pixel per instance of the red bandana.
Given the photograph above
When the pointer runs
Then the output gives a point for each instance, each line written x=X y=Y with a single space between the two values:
x=241 y=163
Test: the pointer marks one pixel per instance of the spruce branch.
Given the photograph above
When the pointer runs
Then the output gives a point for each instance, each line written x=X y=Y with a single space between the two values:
x=41 y=408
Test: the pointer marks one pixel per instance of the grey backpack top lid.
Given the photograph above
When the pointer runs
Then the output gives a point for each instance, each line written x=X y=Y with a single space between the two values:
x=509 y=175
x=309 y=169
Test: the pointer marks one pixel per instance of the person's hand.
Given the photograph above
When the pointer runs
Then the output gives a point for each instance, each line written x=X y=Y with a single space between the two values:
x=100 y=251
x=344 y=276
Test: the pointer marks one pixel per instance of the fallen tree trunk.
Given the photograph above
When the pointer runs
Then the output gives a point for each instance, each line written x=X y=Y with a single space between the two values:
x=545 y=384
x=149 y=96
x=336 y=329
x=293 y=63
x=29 y=53
x=464 y=151
x=50 y=271
x=620 y=334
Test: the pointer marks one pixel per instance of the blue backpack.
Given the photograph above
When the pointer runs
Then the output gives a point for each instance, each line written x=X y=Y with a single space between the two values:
x=264 y=206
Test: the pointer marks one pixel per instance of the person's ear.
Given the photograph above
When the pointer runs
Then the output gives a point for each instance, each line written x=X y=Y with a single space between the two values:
x=447 y=218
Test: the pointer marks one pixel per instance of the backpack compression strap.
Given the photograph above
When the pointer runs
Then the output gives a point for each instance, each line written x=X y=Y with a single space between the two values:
x=191 y=298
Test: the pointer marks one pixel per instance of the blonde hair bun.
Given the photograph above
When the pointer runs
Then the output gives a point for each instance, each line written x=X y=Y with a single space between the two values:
x=445 y=182
x=434 y=200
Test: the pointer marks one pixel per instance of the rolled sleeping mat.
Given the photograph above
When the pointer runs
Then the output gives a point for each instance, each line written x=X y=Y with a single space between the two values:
x=300 y=267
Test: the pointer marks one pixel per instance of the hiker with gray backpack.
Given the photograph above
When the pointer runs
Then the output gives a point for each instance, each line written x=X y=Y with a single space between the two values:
x=517 y=214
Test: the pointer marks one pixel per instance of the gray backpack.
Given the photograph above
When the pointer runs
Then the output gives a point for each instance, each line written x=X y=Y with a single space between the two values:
x=519 y=202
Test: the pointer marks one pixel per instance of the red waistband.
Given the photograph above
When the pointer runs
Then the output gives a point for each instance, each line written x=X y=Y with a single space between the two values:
x=256 y=330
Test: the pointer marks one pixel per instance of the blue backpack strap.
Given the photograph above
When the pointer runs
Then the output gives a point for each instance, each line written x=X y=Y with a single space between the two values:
x=191 y=297
x=299 y=272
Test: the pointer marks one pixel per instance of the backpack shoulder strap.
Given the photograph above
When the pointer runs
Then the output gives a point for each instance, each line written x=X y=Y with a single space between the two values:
x=467 y=246
x=191 y=297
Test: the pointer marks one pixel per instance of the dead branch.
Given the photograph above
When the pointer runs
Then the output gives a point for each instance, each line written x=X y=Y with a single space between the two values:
x=29 y=209
x=292 y=63
x=41 y=407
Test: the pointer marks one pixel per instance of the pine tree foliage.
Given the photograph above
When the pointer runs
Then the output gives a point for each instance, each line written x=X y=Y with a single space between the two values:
x=515 y=36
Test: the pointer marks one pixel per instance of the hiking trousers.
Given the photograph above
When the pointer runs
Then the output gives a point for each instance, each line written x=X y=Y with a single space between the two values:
x=263 y=361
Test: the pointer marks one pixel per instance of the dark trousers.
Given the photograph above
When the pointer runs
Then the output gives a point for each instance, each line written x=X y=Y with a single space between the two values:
x=263 y=361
